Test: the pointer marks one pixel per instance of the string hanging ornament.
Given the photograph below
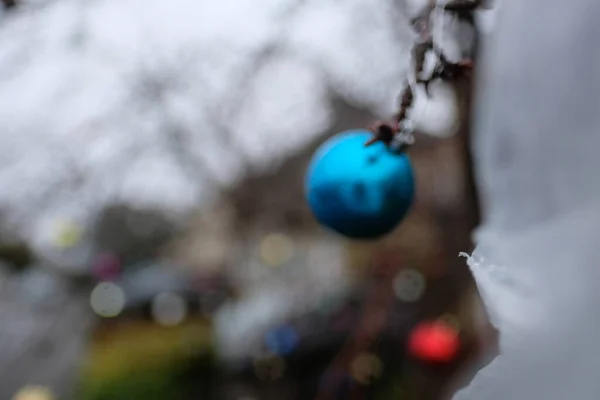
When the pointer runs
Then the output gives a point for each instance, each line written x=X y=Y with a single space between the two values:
x=360 y=183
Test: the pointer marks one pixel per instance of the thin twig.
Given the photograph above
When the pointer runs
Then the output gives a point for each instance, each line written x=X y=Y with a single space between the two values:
x=444 y=70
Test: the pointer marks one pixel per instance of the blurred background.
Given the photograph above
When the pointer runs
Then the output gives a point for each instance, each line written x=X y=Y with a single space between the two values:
x=154 y=239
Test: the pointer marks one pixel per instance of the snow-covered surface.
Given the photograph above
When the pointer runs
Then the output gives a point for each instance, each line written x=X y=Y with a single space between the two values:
x=156 y=104
x=537 y=141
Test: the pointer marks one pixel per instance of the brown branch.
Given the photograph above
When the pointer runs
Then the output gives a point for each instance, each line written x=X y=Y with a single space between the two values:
x=447 y=71
x=419 y=54
x=385 y=132
x=444 y=69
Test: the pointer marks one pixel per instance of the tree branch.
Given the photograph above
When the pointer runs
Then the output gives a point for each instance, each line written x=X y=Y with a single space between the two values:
x=444 y=70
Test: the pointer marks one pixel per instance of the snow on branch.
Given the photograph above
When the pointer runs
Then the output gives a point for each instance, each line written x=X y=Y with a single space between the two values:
x=443 y=69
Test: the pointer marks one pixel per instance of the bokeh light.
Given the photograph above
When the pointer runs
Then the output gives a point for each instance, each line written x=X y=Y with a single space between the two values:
x=366 y=367
x=434 y=342
x=34 y=393
x=276 y=249
x=68 y=234
x=409 y=285
x=107 y=299
x=282 y=340
x=169 y=309
x=106 y=266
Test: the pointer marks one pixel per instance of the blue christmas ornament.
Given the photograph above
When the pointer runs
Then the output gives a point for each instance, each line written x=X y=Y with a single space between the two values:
x=360 y=192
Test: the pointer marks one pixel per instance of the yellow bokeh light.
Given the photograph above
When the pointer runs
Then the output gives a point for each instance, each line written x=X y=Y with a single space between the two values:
x=366 y=367
x=34 y=393
x=276 y=249
x=68 y=234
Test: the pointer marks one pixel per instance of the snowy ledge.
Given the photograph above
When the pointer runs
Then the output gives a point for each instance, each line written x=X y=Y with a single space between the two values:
x=540 y=287
x=536 y=263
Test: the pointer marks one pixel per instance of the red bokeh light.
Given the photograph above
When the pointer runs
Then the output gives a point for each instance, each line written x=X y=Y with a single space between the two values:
x=435 y=342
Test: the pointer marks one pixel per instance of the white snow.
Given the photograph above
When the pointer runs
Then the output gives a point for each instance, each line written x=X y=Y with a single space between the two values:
x=536 y=263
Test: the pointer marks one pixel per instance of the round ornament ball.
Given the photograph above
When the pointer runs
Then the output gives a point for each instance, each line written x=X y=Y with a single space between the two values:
x=434 y=342
x=360 y=192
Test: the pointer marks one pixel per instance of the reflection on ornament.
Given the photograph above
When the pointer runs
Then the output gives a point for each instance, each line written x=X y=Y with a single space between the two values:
x=68 y=234
x=409 y=285
x=276 y=249
x=34 y=393
x=434 y=342
x=107 y=299
x=366 y=367
x=360 y=192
